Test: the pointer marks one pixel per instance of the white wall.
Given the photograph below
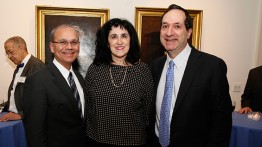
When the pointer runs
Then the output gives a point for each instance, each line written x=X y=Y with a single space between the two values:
x=230 y=29
x=258 y=59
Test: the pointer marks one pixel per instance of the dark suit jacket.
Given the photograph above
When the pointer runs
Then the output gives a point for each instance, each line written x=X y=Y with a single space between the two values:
x=202 y=113
x=252 y=96
x=33 y=65
x=51 y=115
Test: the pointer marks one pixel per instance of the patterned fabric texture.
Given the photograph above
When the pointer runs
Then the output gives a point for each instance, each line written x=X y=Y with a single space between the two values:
x=118 y=115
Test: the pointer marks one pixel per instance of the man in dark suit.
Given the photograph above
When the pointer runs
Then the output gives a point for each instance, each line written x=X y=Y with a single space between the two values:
x=195 y=111
x=252 y=96
x=27 y=64
x=54 y=105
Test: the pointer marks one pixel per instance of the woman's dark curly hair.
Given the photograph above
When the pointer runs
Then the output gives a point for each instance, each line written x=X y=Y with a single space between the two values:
x=103 y=52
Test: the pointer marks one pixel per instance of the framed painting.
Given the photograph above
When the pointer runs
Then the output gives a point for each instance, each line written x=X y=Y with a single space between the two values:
x=147 y=24
x=87 y=20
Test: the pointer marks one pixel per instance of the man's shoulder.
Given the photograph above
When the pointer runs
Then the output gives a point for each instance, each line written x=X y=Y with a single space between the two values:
x=208 y=55
x=158 y=60
x=210 y=58
x=259 y=68
x=256 y=70
x=36 y=60
x=42 y=77
x=32 y=66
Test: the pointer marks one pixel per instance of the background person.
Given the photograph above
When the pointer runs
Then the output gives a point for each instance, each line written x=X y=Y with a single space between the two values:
x=54 y=105
x=252 y=96
x=192 y=104
x=119 y=88
x=27 y=64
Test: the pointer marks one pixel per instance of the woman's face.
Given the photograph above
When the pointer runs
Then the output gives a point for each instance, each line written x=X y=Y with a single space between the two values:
x=119 y=43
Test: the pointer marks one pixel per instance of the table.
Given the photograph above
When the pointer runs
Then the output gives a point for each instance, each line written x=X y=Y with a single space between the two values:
x=245 y=132
x=12 y=134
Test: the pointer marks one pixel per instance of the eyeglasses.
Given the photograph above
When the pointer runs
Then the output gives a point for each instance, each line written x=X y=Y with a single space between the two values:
x=11 y=52
x=65 y=43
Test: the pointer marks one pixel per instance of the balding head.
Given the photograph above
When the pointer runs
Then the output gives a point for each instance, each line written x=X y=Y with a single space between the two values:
x=16 y=49
x=18 y=42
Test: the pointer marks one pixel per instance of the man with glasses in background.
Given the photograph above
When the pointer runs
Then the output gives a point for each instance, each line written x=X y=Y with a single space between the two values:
x=27 y=64
x=54 y=101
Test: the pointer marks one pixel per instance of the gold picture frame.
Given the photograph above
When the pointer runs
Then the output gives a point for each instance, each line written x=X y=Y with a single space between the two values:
x=89 y=20
x=147 y=24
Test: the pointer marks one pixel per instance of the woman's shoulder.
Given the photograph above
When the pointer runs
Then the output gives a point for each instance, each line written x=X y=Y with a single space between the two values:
x=97 y=68
x=141 y=66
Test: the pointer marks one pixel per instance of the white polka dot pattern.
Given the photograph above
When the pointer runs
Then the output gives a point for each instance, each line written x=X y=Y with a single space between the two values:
x=118 y=115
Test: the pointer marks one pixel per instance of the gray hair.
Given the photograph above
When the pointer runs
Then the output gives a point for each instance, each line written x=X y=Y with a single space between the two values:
x=76 y=28
x=17 y=41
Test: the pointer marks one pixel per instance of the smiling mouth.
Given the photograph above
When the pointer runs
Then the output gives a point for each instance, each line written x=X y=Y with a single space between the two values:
x=171 y=39
x=120 y=48
x=68 y=53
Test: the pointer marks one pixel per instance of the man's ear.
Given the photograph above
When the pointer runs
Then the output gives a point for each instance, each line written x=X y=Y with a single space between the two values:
x=51 y=46
x=189 y=32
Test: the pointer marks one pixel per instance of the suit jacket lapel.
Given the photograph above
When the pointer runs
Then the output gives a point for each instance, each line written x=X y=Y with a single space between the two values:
x=23 y=74
x=11 y=86
x=190 y=71
x=80 y=78
x=61 y=82
x=260 y=73
x=26 y=69
x=27 y=66
x=158 y=70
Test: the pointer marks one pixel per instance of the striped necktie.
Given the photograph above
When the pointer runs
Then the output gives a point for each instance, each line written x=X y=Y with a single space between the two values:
x=75 y=92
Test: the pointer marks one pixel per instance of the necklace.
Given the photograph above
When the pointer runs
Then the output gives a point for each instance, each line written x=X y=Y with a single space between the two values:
x=112 y=79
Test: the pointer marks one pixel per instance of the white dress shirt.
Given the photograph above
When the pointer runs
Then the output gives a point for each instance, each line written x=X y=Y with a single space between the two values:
x=65 y=72
x=180 y=64
x=17 y=79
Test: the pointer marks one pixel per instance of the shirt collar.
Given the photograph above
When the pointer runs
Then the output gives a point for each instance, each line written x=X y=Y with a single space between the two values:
x=182 y=57
x=62 y=69
x=25 y=60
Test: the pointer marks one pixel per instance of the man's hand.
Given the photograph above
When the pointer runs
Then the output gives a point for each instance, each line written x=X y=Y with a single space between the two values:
x=10 y=116
x=245 y=110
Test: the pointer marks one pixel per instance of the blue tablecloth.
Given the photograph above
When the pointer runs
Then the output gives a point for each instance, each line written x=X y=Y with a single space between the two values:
x=245 y=132
x=12 y=134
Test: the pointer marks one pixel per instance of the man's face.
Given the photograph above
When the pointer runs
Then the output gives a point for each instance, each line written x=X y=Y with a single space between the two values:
x=65 y=46
x=173 y=33
x=14 y=53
